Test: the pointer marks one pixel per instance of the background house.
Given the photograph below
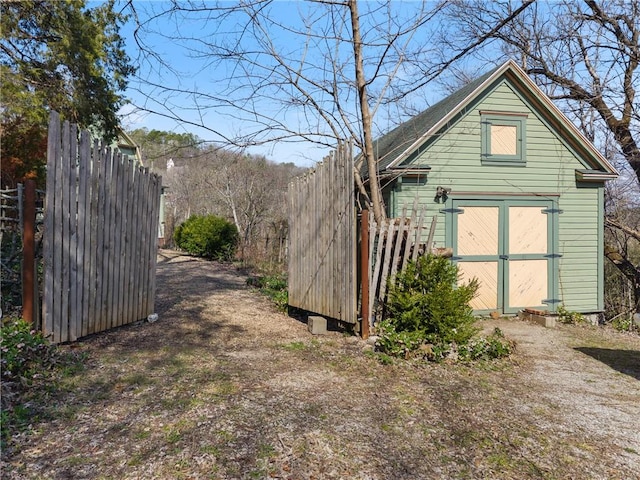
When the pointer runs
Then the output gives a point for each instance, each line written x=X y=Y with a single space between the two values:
x=519 y=192
x=128 y=146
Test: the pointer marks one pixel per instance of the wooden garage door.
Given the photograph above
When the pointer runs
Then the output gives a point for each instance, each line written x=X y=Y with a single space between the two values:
x=478 y=249
x=508 y=247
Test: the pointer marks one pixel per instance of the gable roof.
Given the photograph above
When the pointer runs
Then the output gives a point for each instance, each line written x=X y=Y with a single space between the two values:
x=128 y=146
x=396 y=146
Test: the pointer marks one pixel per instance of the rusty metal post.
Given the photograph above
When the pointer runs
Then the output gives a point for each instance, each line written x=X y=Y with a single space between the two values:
x=28 y=251
x=364 y=273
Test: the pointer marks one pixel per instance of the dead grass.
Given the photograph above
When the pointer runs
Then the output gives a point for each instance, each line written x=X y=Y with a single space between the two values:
x=223 y=386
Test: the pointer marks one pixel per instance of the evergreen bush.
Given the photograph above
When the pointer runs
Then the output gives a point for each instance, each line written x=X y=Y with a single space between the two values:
x=429 y=315
x=424 y=298
x=207 y=236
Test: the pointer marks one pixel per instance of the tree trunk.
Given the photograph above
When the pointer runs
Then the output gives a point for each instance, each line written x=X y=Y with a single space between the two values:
x=377 y=203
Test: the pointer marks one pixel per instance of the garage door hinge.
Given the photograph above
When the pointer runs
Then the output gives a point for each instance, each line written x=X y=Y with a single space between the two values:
x=552 y=210
x=452 y=210
x=553 y=255
x=548 y=301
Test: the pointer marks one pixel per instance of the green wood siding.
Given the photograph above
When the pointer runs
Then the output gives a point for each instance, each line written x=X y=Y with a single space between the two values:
x=455 y=159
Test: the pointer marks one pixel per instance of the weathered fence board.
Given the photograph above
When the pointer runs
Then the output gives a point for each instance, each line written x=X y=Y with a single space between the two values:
x=391 y=246
x=99 y=247
x=84 y=207
x=323 y=239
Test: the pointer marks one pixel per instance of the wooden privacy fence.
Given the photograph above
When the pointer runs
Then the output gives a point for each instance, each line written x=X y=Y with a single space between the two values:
x=323 y=239
x=100 y=236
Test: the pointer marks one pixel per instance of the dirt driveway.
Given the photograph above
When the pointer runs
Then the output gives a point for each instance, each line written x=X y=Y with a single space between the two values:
x=222 y=386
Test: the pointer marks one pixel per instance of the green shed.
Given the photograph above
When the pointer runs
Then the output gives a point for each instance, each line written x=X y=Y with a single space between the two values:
x=519 y=192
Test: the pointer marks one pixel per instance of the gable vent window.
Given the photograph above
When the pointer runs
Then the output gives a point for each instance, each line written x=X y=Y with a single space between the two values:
x=503 y=139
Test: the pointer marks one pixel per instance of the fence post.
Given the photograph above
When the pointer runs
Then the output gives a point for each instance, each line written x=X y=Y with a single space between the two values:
x=364 y=273
x=28 y=251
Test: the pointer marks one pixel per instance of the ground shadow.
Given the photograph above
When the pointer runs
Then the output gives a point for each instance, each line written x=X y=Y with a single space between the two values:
x=624 y=361
x=333 y=325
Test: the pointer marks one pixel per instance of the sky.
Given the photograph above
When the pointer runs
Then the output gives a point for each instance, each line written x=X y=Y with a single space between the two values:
x=178 y=75
x=193 y=76
x=170 y=37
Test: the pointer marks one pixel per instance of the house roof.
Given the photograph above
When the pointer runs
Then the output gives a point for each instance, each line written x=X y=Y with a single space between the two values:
x=125 y=142
x=396 y=146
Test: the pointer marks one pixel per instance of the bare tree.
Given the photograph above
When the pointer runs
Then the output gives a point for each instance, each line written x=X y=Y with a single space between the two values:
x=319 y=73
x=248 y=190
x=252 y=190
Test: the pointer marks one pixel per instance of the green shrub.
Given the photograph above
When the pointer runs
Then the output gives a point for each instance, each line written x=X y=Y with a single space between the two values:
x=207 y=236
x=622 y=324
x=625 y=323
x=486 y=348
x=396 y=343
x=274 y=287
x=424 y=298
x=569 y=317
x=429 y=316
x=31 y=367
x=25 y=353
